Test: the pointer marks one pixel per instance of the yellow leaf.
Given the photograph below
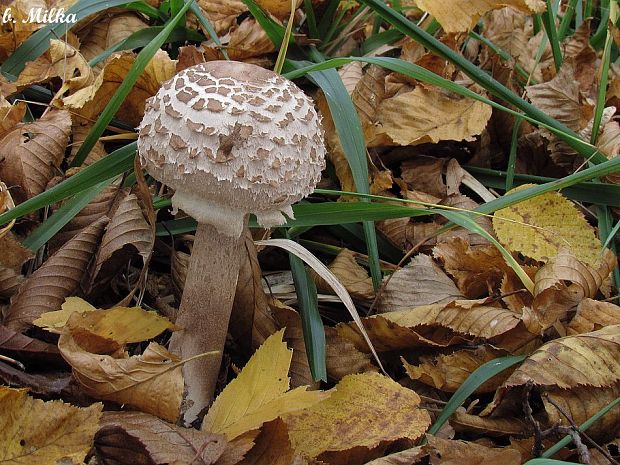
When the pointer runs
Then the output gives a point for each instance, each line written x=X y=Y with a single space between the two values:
x=36 y=432
x=424 y=115
x=151 y=382
x=259 y=394
x=541 y=226
x=55 y=321
x=460 y=15
x=366 y=410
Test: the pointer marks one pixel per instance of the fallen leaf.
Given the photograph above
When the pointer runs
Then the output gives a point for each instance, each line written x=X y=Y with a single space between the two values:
x=260 y=393
x=475 y=268
x=55 y=321
x=424 y=115
x=449 y=372
x=222 y=13
x=248 y=40
x=31 y=153
x=46 y=289
x=592 y=315
x=365 y=413
x=25 y=347
x=62 y=61
x=461 y=16
x=420 y=282
x=406 y=457
x=272 y=447
x=33 y=431
x=431 y=325
x=541 y=226
x=151 y=382
x=450 y=452
x=343 y=358
x=128 y=438
x=353 y=277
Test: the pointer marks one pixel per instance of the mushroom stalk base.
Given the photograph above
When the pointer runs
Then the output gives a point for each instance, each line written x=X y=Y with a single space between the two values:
x=204 y=314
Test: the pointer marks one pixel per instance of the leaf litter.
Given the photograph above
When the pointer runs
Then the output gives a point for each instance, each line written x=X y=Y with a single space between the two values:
x=89 y=314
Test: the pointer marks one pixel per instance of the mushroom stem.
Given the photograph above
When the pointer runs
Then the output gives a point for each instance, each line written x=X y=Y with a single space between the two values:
x=205 y=312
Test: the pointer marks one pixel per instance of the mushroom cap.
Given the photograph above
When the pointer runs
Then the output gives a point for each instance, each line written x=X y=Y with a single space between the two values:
x=232 y=138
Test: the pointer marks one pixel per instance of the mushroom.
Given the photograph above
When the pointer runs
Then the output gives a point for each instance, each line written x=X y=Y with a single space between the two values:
x=232 y=139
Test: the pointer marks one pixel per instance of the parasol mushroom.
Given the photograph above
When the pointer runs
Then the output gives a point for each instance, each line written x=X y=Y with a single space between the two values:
x=231 y=139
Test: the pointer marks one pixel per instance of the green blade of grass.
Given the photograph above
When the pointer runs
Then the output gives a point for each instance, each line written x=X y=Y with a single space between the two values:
x=312 y=325
x=582 y=192
x=473 y=381
x=125 y=87
x=38 y=43
x=548 y=20
x=108 y=167
x=62 y=216
x=479 y=76
x=206 y=24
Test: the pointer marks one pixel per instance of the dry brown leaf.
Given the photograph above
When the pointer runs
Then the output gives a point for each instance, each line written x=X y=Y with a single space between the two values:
x=107 y=32
x=365 y=413
x=222 y=13
x=24 y=347
x=272 y=447
x=593 y=315
x=423 y=116
x=432 y=325
x=46 y=289
x=564 y=282
x=450 y=452
x=580 y=404
x=406 y=457
x=588 y=359
x=448 y=372
x=420 y=282
x=462 y=15
x=13 y=33
x=31 y=154
x=278 y=8
x=476 y=269
x=561 y=98
x=351 y=73
x=90 y=101
x=289 y=320
x=248 y=40
x=10 y=281
x=151 y=382
x=353 y=277
x=128 y=234
x=368 y=94
x=95 y=209
x=259 y=394
x=14 y=255
x=129 y=438
x=492 y=426
x=425 y=174
x=62 y=61
x=250 y=300
x=80 y=131
x=33 y=431
x=342 y=358
x=10 y=114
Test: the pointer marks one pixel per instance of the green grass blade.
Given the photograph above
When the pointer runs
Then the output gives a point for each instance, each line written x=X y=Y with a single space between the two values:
x=548 y=20
x=583 y=192
x=473 y=381
x=549 y=462
x=204 y=21
x=108 y=167
x=274 y=31
x=479 y=76
x=38 y=43
x=569 y=12
x=602 y=88
x=311 y=19
x=125 y=87
x=62 y=216
x=612 y=234
x=312 y=325
x=146 y=9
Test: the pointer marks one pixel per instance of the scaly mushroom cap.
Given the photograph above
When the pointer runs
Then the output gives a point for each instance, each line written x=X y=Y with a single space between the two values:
x=232 y=138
